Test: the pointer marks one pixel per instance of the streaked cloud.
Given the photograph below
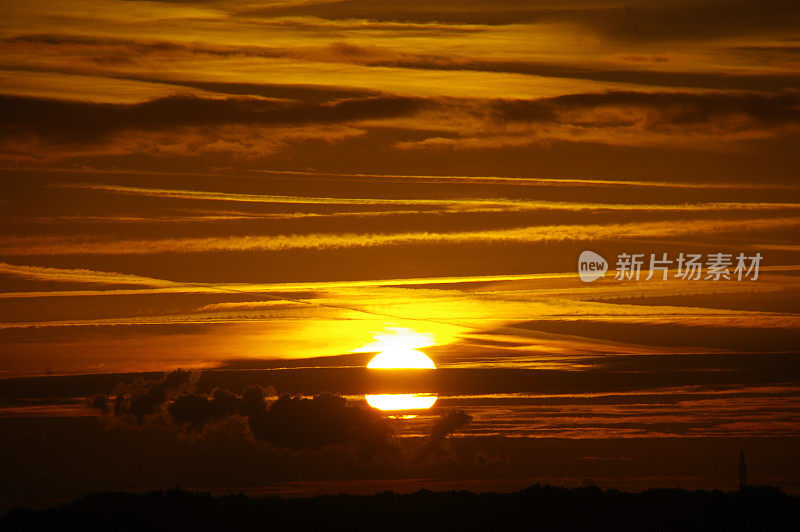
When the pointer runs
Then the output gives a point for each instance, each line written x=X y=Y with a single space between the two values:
x=75 y=121
x=21 y=246
x=81 y=275
x=460 y=205
x=620 y=116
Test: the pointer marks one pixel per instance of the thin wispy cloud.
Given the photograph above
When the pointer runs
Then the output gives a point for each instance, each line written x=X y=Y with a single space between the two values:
x=540 y=181
x=461 y=205
x=22 y=246
x=81 y=275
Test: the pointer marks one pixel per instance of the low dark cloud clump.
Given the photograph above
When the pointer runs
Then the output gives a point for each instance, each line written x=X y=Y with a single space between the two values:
x=288 y=422
x=326 y=419
x=144 y=396
x=448 y=423
x=291 y=423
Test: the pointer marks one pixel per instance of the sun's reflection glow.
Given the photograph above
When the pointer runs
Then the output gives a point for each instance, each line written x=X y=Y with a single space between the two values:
x=402 y=401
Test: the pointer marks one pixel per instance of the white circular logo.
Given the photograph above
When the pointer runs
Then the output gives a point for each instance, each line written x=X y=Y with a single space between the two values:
x=591 y=266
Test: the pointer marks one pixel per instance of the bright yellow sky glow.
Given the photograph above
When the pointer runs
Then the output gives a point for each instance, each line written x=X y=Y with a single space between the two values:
x=398 y=349
x=401 y=401
x=397 y=338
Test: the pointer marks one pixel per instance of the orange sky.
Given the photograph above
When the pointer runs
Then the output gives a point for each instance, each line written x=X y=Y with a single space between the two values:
x=266 y=191
x=190 y=183
x=221 y=172
x=493 y=88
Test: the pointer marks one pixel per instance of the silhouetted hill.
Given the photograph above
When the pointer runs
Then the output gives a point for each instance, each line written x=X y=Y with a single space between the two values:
x=534 y=508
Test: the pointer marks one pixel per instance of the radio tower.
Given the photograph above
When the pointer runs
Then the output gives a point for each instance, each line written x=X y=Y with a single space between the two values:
x=742 y=470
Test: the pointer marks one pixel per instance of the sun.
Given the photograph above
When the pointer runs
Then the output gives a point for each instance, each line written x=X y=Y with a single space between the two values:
x=401 y=358
x=398 y=350
x=401 y=401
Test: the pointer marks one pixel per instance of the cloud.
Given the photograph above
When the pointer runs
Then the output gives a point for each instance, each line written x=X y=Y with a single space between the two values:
x=72 y=121
x=100 y=402
x=293 y=423
x=540 y=181
x=19 y=246
x=248 y=127
x=144 y=396
x=247 y=305
x=195 y=410
x=624 y=68
x=656 y=21
x=447 y=424
x=289 y=422
x=453 y=205
x=81 y=275
x=618 y=68
x=325 y=419
x=255 y=288
x=711 y=120
x=177 y=391
x=660 y=109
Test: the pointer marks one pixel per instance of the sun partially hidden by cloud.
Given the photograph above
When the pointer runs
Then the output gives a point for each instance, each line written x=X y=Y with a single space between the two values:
x=397 y=351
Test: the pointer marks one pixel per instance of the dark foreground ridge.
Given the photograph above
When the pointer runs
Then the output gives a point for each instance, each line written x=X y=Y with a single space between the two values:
x=534 y=508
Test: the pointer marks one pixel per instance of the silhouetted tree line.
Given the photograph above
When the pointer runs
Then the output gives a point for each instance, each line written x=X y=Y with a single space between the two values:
x=534 y=508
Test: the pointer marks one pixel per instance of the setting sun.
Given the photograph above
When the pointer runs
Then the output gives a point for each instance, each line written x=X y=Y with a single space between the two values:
x=398 y=351
x=401 y=401
x=400 y=358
